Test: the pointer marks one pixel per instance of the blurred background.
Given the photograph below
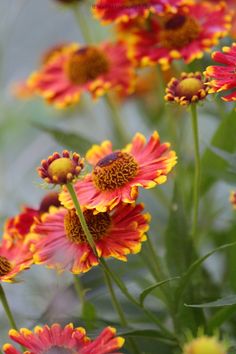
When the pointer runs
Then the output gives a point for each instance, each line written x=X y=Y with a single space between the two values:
x=27 y=29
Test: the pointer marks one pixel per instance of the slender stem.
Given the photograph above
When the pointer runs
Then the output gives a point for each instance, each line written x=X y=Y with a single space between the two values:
x=80 y=291
x=126 y=293
x=115 y=302
x=105 y=267
x=7 y=308
x=81 y=218
x=196 y=187
x=117 y=121
x=82 y=21
x=119 y=310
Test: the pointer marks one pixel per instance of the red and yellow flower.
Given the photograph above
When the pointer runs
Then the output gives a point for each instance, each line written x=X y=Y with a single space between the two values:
x=62 y=244
x=123 y=10
x=224 y=76
x=190 y=88
x=56 y=339
x=25 y=89
x=18 y=227
x=231 y=6
x=61 y=169
x=95 y=69
x=13 y=259
x=116 y=175
x=186 y=35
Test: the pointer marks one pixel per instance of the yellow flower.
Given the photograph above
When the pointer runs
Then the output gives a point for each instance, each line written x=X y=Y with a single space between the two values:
x=205 y=345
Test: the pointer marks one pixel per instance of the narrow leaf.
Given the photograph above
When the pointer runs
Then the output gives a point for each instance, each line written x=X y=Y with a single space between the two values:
x=148 y=290
x=227 y=301
x=213 y=166
x=148 y=333
x=70 y=140
x=186 y=278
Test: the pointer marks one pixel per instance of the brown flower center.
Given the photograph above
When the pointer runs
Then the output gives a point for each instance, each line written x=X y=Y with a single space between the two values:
x=85 y=65
x=130 y=3
x=189 y=87
x=50 y=199
x=5 y=266
x=59 y=350
x=114 y=171
x=179 y=31
x=98 y=226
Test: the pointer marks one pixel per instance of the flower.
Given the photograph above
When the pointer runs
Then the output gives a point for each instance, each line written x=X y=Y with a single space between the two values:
x=18 y=227
x=96 y=69
x=231 y=6
x=232 y=199
x=223 y=76
x=116 y=175
x=205 y=345
x=25 y=89
x=59 y=169
x=13 y=259
x=58 y=340
x=185 y=35
x=123 y=10
x=62 y=244
x=190 y=88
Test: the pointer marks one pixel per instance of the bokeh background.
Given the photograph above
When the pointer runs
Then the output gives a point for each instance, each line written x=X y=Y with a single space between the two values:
x=27 y=29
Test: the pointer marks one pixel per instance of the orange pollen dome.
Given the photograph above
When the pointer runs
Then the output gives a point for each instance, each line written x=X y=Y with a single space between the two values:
x=114 y=171
x=189 y=87
x=98 y=225
x=85 y=65
x=5 y=266
x=179 y=31
x=60 y=168
x=58 y=350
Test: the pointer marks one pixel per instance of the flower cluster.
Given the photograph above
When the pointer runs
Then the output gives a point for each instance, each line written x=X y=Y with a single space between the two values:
x=56 y=339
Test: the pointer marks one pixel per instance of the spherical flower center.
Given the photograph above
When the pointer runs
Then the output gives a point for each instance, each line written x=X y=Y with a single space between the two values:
x=5 y=266
x=60 y=168
x=189 y=87
x=98 y=226
x=85 y=65
x=59 y=350
x=114 y=171
x=179 y=31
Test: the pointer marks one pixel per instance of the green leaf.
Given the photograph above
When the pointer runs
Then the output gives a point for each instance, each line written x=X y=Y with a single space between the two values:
x=178 y=243
x=89 y=314
x=187 y=277
x=148 y=290
x=215 y=167
x=73 y=141
x=148 y=333
x=220 y=317
x=226 y=301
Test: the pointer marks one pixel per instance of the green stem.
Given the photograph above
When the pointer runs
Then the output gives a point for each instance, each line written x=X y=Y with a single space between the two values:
x=119 y=310
x=80 y=291
x=7 y=308
x=126 y=293
x=82 y=21
x=196 y=187
x=82 y=220
x=117 y=121
x=105 y=267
